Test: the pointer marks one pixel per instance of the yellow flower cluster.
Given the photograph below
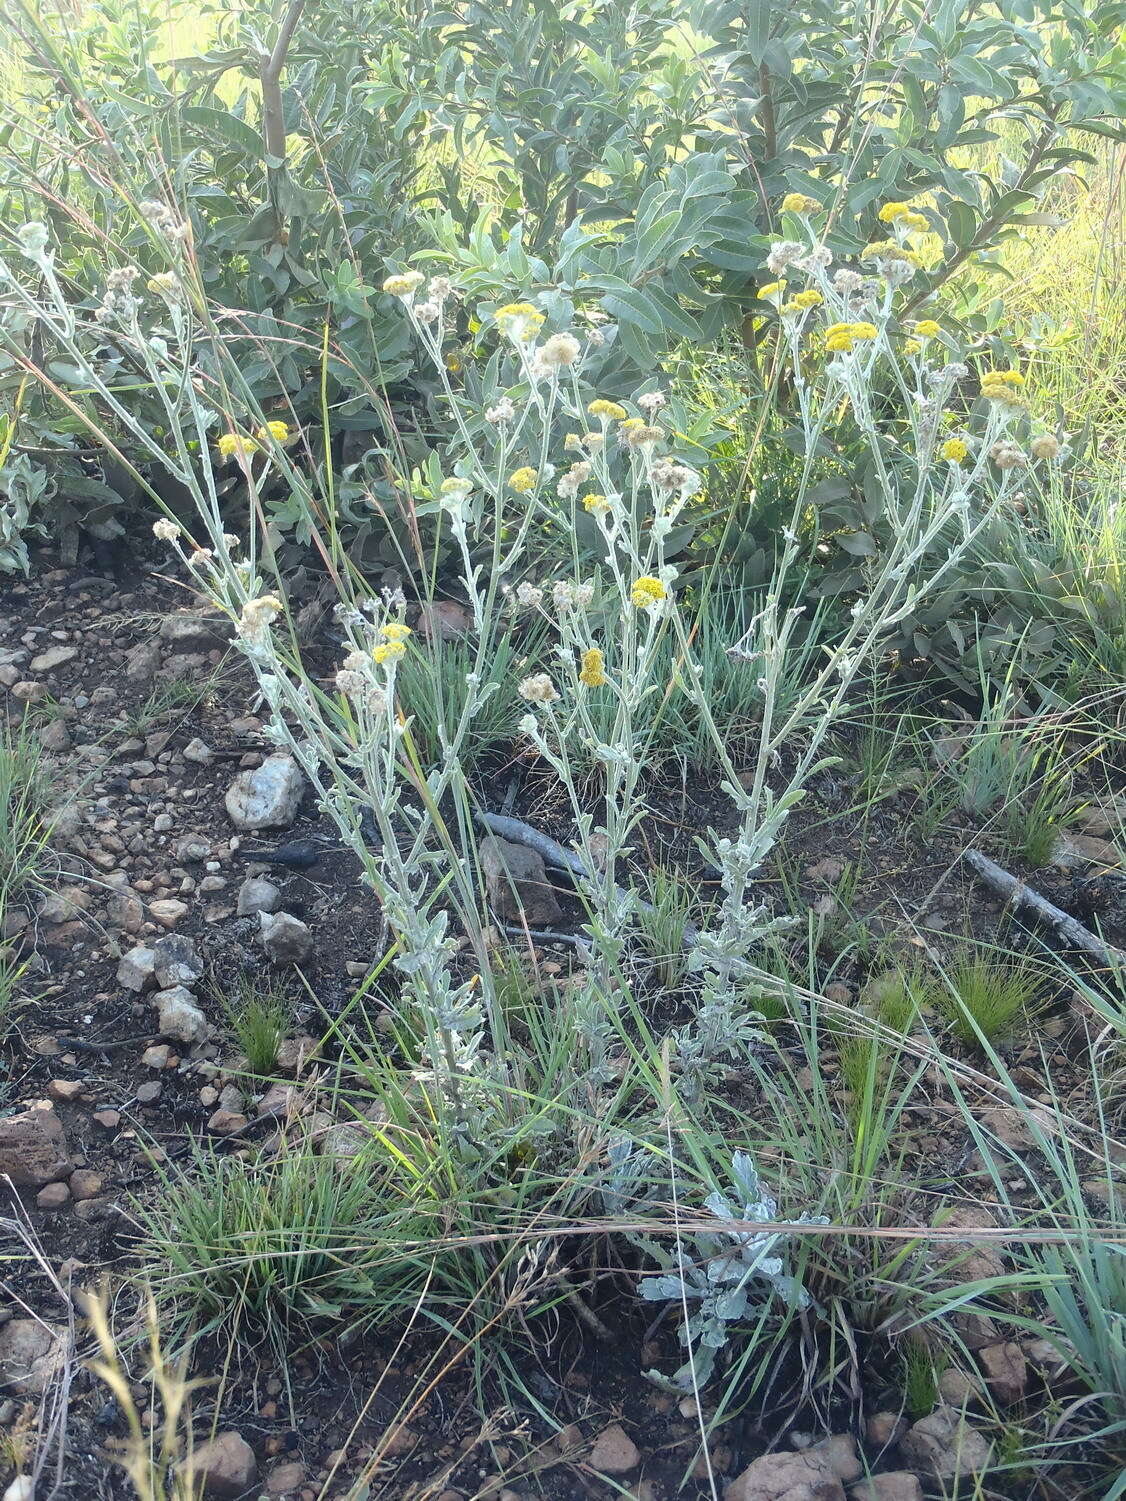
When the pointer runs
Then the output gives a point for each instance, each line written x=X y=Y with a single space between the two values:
x=595 y=503
x=771 y=290
x=802 y=301
x=524 y=479
x=903 y=215
x=927 y=328
x=593 y=672
x=278 y=431
x=954 y=451
x=608 y=409
x=646 y=592
x=405 y=285
x=912 y=347
x=393 y=646
x=799 y=203
x=520 y=321
x=840 y=337
x=890 y=250
x=231 y=443
x=1003 y=386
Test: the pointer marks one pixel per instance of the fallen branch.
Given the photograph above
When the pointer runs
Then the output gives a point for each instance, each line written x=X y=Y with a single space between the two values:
x=1022 y=898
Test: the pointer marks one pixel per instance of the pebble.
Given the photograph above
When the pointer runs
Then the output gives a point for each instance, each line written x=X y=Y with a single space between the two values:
x=614 y=1452
x=223 y=1468
x=178 y=1015
x=286 y=939
x=168 y=911
x=64 y=1089
x=33 y=1146
x=267 y=796
x=285 y=1478
x=137 y=969
x=257 y=894
x=176 y=962
x=86 y=1184
x=54 y=1196
x=54 y=656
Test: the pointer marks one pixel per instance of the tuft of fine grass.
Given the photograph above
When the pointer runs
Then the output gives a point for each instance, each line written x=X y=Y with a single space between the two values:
x=662 y=924
x=982 y=997
x=260 y=1017
x=920 y=1383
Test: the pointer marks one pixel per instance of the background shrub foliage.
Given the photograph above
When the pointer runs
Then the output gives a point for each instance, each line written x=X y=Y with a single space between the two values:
x=627 y=159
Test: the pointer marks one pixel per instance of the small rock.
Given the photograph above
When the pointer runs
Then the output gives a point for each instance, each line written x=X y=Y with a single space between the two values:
x=945 y=1445
x=55 y=737
x=33 y=1147
x=54 y=656
x=984 y=1260
x=893 y=1485
x=614 y=1452
x=64 y=905
x=285 y=1478
x=137 y=970
x=109 y=1120
x=143 y=663
x=157 y=1056
x=29 y=691
x=31 y=1353
x=516 y=882
x=64 y=1089
x=267 y=796
x=885 y=1429
x=279 y=1100
x=839 y=1453
x=446 y=619
x=192 y=850
x=195 y=630
x=398 y=1441
x=295 y=1052
x=176 y=962
x=344 y=1140
x=226 y=1122
x=86 y=1184
x=179 y=1016
x=168 y=911
x=957 y=1389
x=54 y=1196
x=1077 y=849
x=787 y=1476
x=14 y=922
x=148 y=1094
x=224 y=1467
x=257 y=894
x=126 y=911
x=286 y=939
x=1006 y=1371
x=198 y=752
